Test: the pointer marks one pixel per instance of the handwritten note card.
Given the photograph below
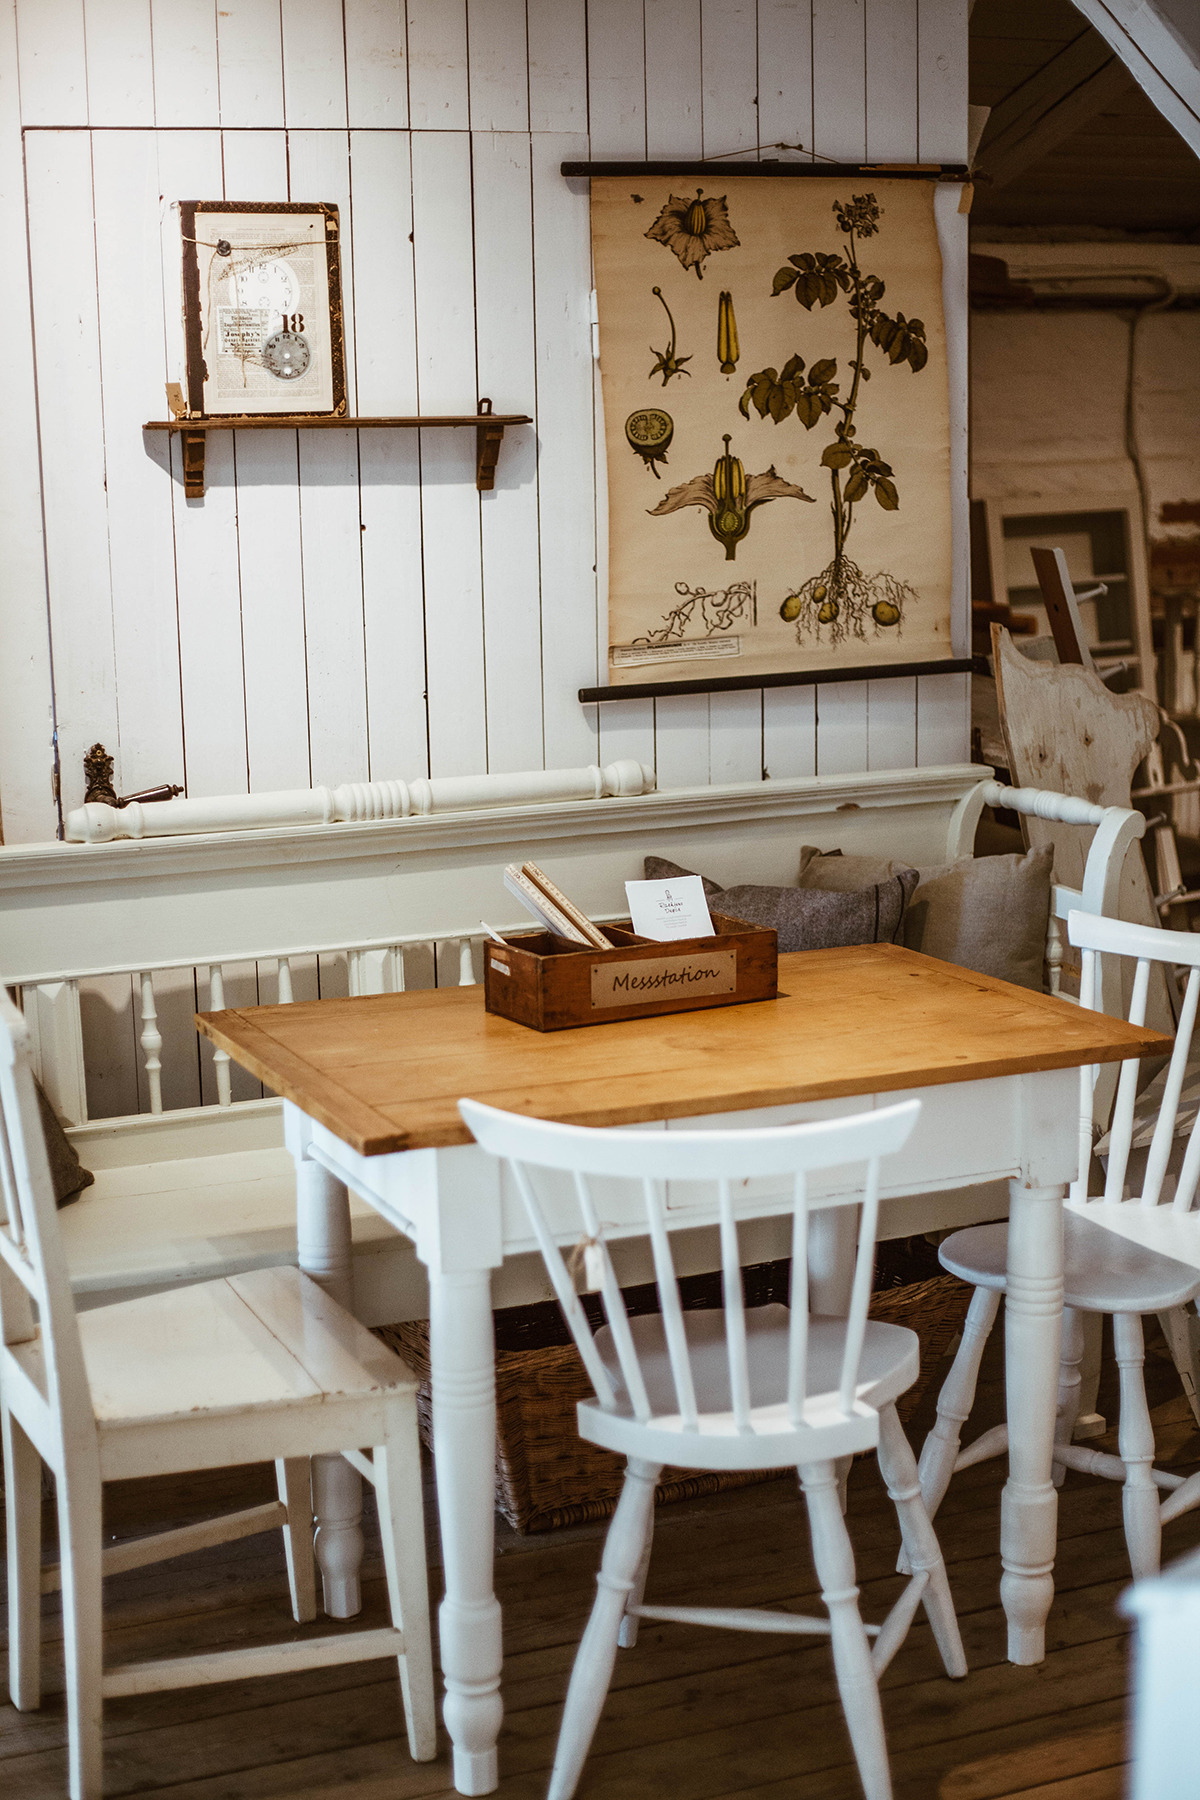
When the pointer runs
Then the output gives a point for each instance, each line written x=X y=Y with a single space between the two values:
x=664 y=910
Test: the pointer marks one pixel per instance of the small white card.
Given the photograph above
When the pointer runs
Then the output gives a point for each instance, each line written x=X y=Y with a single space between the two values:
x=663 y=910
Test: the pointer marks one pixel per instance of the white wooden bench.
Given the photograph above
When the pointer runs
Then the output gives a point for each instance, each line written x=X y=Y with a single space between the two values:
x=113 y=946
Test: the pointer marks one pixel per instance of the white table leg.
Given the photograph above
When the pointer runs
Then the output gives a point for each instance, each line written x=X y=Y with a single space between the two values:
x=323 y=1239
x=1032 y=1330
x=461 y=1353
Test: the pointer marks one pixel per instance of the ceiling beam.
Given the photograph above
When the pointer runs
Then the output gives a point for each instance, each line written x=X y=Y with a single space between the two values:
x=1060 y=97
x=1162 y=62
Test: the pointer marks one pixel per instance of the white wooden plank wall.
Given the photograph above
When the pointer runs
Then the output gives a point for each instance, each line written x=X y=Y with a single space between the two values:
x=345 y=606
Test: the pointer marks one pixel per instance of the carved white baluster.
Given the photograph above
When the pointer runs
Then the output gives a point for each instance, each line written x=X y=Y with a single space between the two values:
x=396 y=962
x=354 y=973
x=466 y=966
x=1054 y=953
x=151 y=1041
x=216 y=990
x=285 y=982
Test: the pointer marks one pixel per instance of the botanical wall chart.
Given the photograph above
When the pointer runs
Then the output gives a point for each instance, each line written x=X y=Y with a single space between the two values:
x=773 y=360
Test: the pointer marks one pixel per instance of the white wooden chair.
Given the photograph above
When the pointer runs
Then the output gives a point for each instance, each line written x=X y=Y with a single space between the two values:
x=264 y=1365
x=1124 y=1256
x=728 y=1389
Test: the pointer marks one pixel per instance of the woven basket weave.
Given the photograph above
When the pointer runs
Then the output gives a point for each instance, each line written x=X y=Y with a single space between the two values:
x=548 y=1476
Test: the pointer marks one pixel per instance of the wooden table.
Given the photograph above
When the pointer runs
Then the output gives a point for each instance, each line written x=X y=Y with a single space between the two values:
x=371 y=1087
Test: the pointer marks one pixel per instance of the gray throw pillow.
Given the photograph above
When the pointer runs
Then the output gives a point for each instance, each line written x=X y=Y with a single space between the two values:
x=834 y=873
x=987 y=913
x=66 y=1171
x=805 y=919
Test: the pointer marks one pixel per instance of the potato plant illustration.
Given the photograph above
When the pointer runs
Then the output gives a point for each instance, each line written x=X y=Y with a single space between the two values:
x=729 y=496
x=841 y=598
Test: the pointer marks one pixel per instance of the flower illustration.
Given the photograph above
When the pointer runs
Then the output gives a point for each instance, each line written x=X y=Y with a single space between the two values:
x=861 y=216
x=668 y=363
x=693 y=228
x=729 y=496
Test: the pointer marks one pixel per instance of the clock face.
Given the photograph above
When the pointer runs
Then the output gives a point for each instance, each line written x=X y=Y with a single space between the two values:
x=268 y=284
x=286 y=354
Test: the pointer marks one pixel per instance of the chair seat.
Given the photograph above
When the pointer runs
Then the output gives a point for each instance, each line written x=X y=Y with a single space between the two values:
x=1103 y=1271
x=267 y=1349
x=891 y=1360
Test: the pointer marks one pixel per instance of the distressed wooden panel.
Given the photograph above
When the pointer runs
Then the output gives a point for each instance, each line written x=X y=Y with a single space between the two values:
x=314 y=67
x=376 y=64
x=250 y=63
x=437 y=65
x=186 y=81
x=52 y=68
x=558 y=98
x=120 y=66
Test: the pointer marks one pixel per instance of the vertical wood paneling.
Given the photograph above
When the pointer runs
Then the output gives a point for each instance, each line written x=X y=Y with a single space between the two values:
x=892 y=723
x=446 y=375
x=437 y=65
x=63 y=267
x=120 y=69
x=270 y=569
x=52 y=67
x=250 y=66
x=498 y=65
x=503 y=190
x=389 y=462
x=566 y=453
x=557 y=64
x=729 y=48
x=841 y=727
x=206 y=545
x=942 y=79
x=348 y=607
x=141 y=548
x=376 y=64
x=186 y=84
x=330 y=525
x=943 y=719
x=616 y=78
x=789 y=732
x=954 y=242
x=674 y=79
x=314 y=67
x=27 y=809
x=785 y=96
x=892 y=128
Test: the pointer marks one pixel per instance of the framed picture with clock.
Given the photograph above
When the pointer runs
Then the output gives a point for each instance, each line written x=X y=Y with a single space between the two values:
x=262 y=308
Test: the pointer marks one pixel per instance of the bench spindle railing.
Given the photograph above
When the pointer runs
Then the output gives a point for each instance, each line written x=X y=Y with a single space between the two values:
x=216 y=995
x=285 y=981
x=151 y=1042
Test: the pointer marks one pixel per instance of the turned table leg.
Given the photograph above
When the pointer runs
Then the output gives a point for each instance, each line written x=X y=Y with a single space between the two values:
x=323 y=1240
x=462 y=1364
x=1032 y=1330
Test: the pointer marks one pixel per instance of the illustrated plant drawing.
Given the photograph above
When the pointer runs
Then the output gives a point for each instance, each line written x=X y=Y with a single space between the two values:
x=719 y=609
x=668 y=363
x=693 y=229
x=729 y=497
x=841 y=597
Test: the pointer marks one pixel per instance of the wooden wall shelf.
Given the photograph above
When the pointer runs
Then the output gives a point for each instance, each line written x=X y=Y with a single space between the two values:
x=489 y=435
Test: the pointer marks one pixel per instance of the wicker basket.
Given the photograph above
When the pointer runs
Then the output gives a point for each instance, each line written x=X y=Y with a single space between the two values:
x=547 y=1475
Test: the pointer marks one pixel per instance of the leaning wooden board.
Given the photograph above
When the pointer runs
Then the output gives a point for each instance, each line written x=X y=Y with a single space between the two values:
x=385 y=1072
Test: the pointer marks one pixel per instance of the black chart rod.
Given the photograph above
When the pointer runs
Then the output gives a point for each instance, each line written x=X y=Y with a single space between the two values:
x=885 y=171
x=727 y=684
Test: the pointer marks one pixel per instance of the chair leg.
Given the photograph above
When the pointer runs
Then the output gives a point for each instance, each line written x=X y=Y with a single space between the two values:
x=23 y=1480
x=597 y=1652
x=401 y=1509
x=80 y=1557
x=898 y=1467
x=1069 y=1382
x=1135 y=1445
x=940 y=1449
x=857 y=1686
x=293 y=1475
x=628 y=1635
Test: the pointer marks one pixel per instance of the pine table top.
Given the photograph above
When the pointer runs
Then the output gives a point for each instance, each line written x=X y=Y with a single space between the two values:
x=385 y=1072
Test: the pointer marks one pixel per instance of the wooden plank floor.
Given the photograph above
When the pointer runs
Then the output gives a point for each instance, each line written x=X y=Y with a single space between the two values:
x=693 y=1714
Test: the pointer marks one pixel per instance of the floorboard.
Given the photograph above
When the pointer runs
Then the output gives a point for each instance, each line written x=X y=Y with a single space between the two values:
x=694 y=1715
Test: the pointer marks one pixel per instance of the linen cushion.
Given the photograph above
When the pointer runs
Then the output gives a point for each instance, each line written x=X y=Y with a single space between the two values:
x=66 y=1171
x=807 y=919
x=988 y=913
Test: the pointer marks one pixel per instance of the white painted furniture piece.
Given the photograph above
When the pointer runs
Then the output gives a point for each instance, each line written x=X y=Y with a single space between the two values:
x=1152 y=1267
x=116 y=945
x=465 y=1217
x=718 y=1390
x=1166 y=1664
x=261 y=1366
